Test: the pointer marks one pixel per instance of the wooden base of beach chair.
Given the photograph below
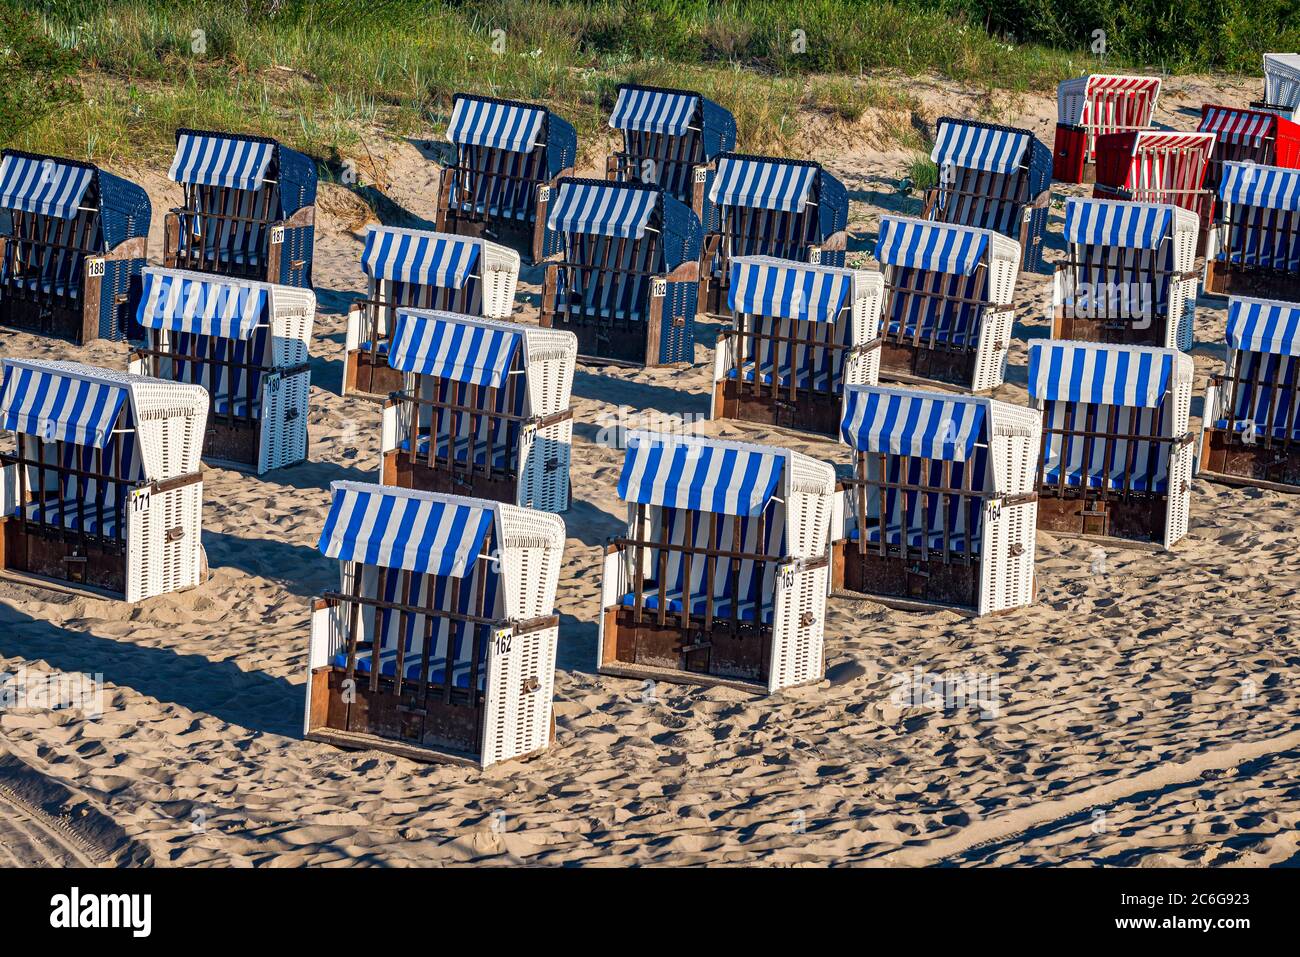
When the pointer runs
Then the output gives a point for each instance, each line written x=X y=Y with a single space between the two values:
x=736 y=658
x=913 y=584
x=401 y=472
x=1140 y=518
x=426 y=727
x=1226 y=458
x=1115 y=331
x=370 y=378
x=816 y=412
x=76 y=324
x=1225 y=280
x=599 y=345
x=61 y=557
x=922 y=366
x=237 y=443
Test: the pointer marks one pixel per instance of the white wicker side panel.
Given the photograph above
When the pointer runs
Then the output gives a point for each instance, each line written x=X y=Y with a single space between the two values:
x=544 y=455
x=295 y=313
x=520 y=687
x=326 y=640
x=865 y=369
x=163 y=533
x=722 y=362
x=500 y=272
x=1181 y=323
x=808 y=520
x=284 y=420
x=798 y=626
x=991 y=354
x=1186 y=233
x=550 y=378
x=395 y=422
x=1007 y=562
x=1179 y=504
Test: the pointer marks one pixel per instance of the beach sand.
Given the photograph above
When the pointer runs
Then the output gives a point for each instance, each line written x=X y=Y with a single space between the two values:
x=1146 y=705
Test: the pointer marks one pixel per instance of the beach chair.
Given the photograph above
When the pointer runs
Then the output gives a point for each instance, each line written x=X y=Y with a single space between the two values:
x=101 y=484
x=722 y=575
x=940 y=509
x=483 y=409
x=624 y=274
x=439 y=644
x=247 y=343
x=671 y=139
x=1250 y=430
x=1157 y=166
x=1248 y=136
x=506 y=153
x=1254 y=246
x=948 y=312
x=424 y=270
x=72 y=239
x=249 y=209
x=1129 y=275
x=1116 y=458
x=760 y=206
x=1091 y=106
x=800 y=333
x=993 y=177
x=1281 y=85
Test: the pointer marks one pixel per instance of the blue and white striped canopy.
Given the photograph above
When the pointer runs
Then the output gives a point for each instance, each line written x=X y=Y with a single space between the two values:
x=614 y=209
x=503 y=126
x=978 y=147
x=413 y=255
x=901 y=422
x=220 y=161
x=937 y=247
x=1263 y=325
x=399 y=528
x=1105 y=222
x=706 y=476
x=762 y=183
x=43 y=186
x=205 y=305
x=653 y=111
x=55 y=402
x=784 y=289
x=1251 y=184
x=452 y=346
x=1090 y=372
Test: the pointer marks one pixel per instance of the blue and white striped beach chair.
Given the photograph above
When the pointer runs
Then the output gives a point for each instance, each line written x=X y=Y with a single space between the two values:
x=440 y=641
x=1254 y=246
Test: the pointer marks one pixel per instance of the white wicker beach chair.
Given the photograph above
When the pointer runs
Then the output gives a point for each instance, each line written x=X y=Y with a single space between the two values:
x=247 y=344
x=723 y=573
x=1254 y=246
x=948 y=310
x=440 y=643
x=1116 y=458
x=940 y=509
x=1250 y=429
x=102 y=487
x=800 y=333
x=424 y=270
x=1281 y=85
x=1129 y=276
x=483 y=410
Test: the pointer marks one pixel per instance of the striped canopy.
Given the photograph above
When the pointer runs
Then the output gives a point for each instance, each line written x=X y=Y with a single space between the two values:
x=1090 y=372
x=1262 y=325
x=900 y=422
x=762 y=183
x=45 y=186
x=1107 y=101
x=418 y=256
x=1231 y=124
x=784 y=289
x=1282 y=79
x=937 y=247
x=613 y=209
x=56 y=402
x=205 y=305
x=975 y=146
x=1107 y=222
x=491 y=123
x=1269 y=187
x=653 y=111
x=705 y=476
x=399 y=528
x=451 y=346
x=228 y=161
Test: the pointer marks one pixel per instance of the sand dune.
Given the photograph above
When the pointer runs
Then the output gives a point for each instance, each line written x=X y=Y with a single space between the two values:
x=1113 y=680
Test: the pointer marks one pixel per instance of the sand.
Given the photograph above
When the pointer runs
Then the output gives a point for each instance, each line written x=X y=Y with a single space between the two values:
x=1146 y=712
